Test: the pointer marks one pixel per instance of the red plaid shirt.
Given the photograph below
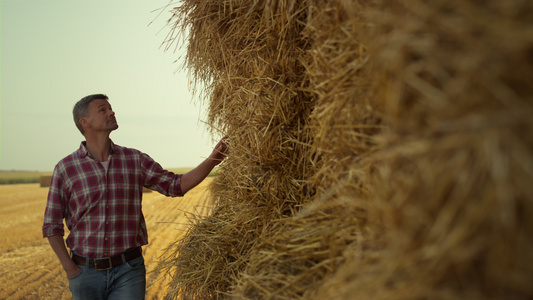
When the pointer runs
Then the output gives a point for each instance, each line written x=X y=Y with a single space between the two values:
x=103 y=211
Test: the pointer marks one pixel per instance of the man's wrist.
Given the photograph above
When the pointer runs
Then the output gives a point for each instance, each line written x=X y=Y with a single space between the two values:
x=213 y=161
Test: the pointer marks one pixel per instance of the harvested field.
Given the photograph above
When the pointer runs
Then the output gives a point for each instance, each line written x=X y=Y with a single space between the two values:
x=30 y=269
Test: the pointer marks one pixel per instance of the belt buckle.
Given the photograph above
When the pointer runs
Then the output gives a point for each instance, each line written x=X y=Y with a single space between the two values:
x=103 y=259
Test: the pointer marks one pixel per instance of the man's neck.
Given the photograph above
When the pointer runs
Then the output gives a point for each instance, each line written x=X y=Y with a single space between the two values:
x=99 y=146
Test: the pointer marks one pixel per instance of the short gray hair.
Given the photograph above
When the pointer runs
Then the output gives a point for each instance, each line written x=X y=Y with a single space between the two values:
x=81 y=109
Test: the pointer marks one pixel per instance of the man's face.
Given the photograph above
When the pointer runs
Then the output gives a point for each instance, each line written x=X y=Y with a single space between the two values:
x=101 y=116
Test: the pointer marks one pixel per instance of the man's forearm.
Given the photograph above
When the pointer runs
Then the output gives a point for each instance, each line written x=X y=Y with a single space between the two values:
x=197 y=175
x=58 y=245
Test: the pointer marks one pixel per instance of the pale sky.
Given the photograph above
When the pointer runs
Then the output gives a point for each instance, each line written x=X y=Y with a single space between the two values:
x=53 y=53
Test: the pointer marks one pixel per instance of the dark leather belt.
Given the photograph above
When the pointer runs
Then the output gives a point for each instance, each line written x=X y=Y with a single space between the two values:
x=108 y=262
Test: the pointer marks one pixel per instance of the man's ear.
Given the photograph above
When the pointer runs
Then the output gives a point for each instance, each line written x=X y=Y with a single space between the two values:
x=84 y=123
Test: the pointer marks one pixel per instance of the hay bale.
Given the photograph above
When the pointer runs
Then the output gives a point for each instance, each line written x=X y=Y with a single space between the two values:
x=45 y=180
x=308 y=247
x=379 y=150
x=448 y=187
x=237 y=51
x=305 y=251
x=213 y=251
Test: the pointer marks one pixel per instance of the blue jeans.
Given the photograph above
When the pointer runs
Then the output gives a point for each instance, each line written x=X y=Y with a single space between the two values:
x=127 y=281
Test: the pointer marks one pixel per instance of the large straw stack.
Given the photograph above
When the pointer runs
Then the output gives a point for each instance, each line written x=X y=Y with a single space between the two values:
x=308 y=248
x=451 y=187
x=379 y=150
x=247 y=55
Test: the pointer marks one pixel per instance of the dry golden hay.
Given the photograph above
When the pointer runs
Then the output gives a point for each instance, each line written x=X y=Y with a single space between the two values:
x=449 y=185
x=210 y=256
x=379 y=150
x=306 y=249
x=258 y=99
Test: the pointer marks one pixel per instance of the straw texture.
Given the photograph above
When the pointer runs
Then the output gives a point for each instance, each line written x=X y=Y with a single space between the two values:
x=378 y=150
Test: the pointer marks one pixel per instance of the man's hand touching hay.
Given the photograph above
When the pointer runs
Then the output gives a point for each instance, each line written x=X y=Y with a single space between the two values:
x=192 y=178
x=220 y=151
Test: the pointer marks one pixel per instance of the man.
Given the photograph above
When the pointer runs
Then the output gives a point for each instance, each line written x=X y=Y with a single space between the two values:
x=97 y=190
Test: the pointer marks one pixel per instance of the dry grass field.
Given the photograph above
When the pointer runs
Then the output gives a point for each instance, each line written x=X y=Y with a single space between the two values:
x=30 y=269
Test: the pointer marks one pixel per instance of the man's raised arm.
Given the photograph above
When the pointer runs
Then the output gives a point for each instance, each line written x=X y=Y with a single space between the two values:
x=192 y=178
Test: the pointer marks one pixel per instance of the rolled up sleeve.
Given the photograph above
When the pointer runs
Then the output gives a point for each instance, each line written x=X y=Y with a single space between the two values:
x=159 y=179
x=54 y=212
